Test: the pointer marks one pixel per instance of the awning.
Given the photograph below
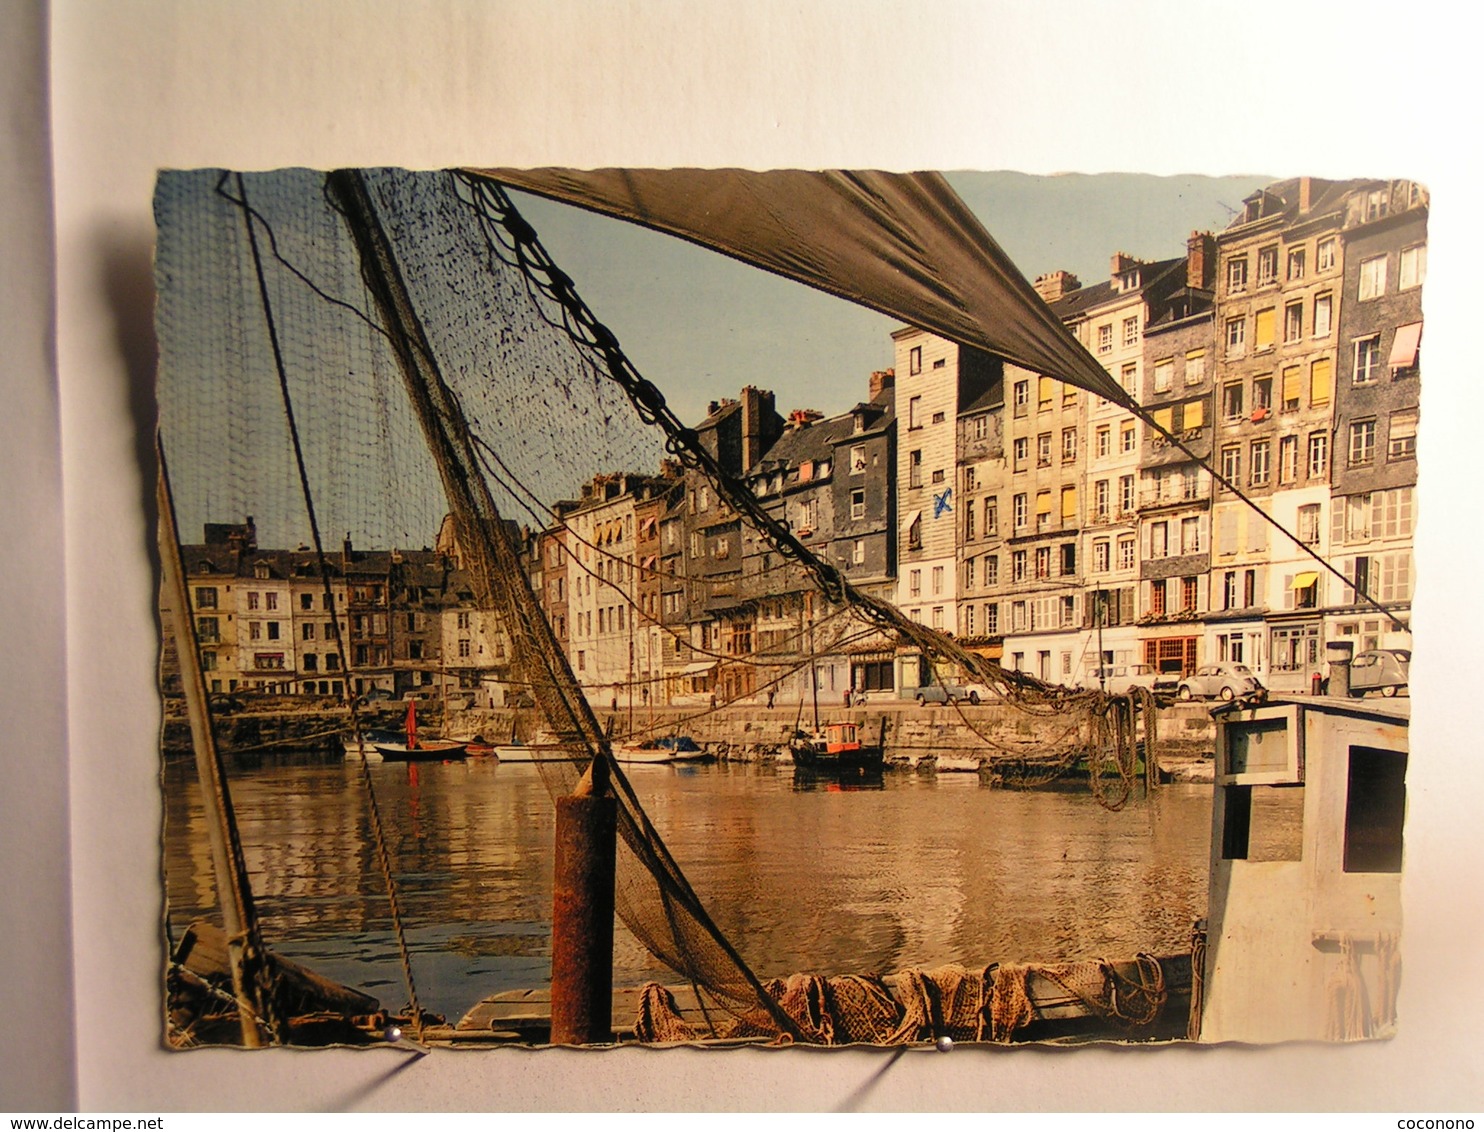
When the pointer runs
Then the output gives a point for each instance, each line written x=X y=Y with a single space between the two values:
x=911 y=519
x=903 y=244
x=1404 y=346
x=1305 y=580
x=698 y=668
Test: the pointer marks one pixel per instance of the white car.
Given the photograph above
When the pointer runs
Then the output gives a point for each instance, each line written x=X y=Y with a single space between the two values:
x=1225 y=680
x=1120 y=678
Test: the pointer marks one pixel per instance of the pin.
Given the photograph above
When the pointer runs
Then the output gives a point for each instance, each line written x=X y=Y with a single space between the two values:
x=945 y=1044
x=393 y=1032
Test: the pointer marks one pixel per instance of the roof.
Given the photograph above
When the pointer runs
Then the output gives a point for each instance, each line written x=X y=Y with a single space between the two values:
x=1075 y=304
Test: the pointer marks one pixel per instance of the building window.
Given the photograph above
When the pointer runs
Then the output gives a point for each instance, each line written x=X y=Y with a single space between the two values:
x=1288 y=459
x=1105 y=338
x=1189 y=594
x=1068 y=559
x=1101 y=556
x=1232 y=401
x=938 y=418
x=914 y=412
x=991 y=516
x=1261 y=463
x=253 y=599
x=1308 y=524
x=1043 y=562
x=1263 y=329
x=1100 y=501
x=1296 y=263
x=858 y=504
x=1043 y=450
x=1367 y=359
x=1131 y=331
x=1262 y=396
x=1318 y=455
x=1022 y=398
x=1236 y=336
x=206 y=597
x=969 y=574
x=1021 y=511
x=1017 y=565
x=273 y=630
x=939 y=476
x=1104 y=446
x=1321 y=381
x=1195 y=367
x=1324 y=256
x=971 y=479
x=270 y=600
x=858 y=460
x=309 y=630
x=1164 y=375
x=914 y=468
x=991 y=570
x=937 y=580
x=1231 y=464
x=1126 y=556
x=1293 y=380
x=991 y=620
x=1402 y=441
x=1373 y=277
x=1190 y=535
x=1043 y=509
x=1267 y=265
x=1236 y=274
x=1159 y=540
x=208 y=630
x=968 y=625
x=1324 y=307
x=1125 y=495
x=1128 y=377
x=1068 y=445
x=1046 y=394
x=1293 y=322
x=1362 y=442
x=1022 y=453
x=1157 y=598
x=914 y=360
x=914 y=534
x=1128 y=437
x=1412 y=268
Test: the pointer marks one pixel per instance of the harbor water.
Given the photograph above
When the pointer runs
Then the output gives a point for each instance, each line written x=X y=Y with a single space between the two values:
x=802 y=875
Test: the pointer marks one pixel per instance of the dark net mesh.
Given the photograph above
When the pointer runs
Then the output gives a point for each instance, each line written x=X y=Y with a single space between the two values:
x=432 y=361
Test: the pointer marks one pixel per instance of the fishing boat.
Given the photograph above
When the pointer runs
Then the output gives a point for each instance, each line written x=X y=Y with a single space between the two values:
x=662 y=749
x=834 y=745
x=420 y=751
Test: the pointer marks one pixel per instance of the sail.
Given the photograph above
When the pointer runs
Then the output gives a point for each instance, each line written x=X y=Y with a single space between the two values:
x=903 y=244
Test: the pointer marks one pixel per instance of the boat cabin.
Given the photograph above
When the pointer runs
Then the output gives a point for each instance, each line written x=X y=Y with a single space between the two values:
x=1304 y=912
x=841 y=737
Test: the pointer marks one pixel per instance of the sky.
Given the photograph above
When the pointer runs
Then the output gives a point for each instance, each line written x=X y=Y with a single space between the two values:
x=701 y=326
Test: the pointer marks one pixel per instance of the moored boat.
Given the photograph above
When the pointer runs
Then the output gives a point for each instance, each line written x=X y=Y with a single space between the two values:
x=661 y=749
x=834 y=745
x=415 y=750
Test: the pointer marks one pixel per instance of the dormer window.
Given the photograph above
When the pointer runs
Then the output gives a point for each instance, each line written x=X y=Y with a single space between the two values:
x=1129 y=280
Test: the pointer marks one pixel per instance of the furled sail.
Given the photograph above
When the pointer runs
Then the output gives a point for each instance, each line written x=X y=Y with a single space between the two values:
x=903 y=244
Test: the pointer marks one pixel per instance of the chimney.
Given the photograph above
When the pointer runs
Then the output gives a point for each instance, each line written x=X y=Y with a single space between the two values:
x=1200 y=261
x=1305 y=194
x=1121 y=262
x=882 y=381
x=345 y=552
x=757 y=416
x=1056 y=284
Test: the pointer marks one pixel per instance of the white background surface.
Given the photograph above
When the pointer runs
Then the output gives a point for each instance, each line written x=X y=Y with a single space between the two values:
x=1359 y=89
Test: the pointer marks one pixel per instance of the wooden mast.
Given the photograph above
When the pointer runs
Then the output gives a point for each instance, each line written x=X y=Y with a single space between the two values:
x=239 y=917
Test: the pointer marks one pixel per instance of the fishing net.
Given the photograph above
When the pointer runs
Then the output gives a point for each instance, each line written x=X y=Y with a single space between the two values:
x=364 y=354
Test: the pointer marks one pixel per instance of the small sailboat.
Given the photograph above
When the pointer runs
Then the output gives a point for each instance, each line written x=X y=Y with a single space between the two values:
x=415 y=751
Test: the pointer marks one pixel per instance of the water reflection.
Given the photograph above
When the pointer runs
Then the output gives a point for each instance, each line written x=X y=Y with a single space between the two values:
x=804 y=873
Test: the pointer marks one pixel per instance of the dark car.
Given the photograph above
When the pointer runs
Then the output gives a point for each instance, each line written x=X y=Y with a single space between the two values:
x=1380 y=670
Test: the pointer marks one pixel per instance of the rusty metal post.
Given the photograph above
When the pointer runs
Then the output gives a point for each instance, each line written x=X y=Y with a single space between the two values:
x=582 y=912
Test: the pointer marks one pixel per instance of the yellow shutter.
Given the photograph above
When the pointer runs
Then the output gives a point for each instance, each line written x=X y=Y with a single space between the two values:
x=1291 y=382
x=1195 y=414
x=1069 y=504
x=1165 y=418
x=1045 y=389
x=1043 y=503
x=1321 y=381
x=1263 y=329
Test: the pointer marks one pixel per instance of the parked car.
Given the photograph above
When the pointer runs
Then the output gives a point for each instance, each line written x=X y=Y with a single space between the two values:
x=1226 y=680
x=943 y=694
x=1117 y=679
x=374 y=695
x=1380 y=669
